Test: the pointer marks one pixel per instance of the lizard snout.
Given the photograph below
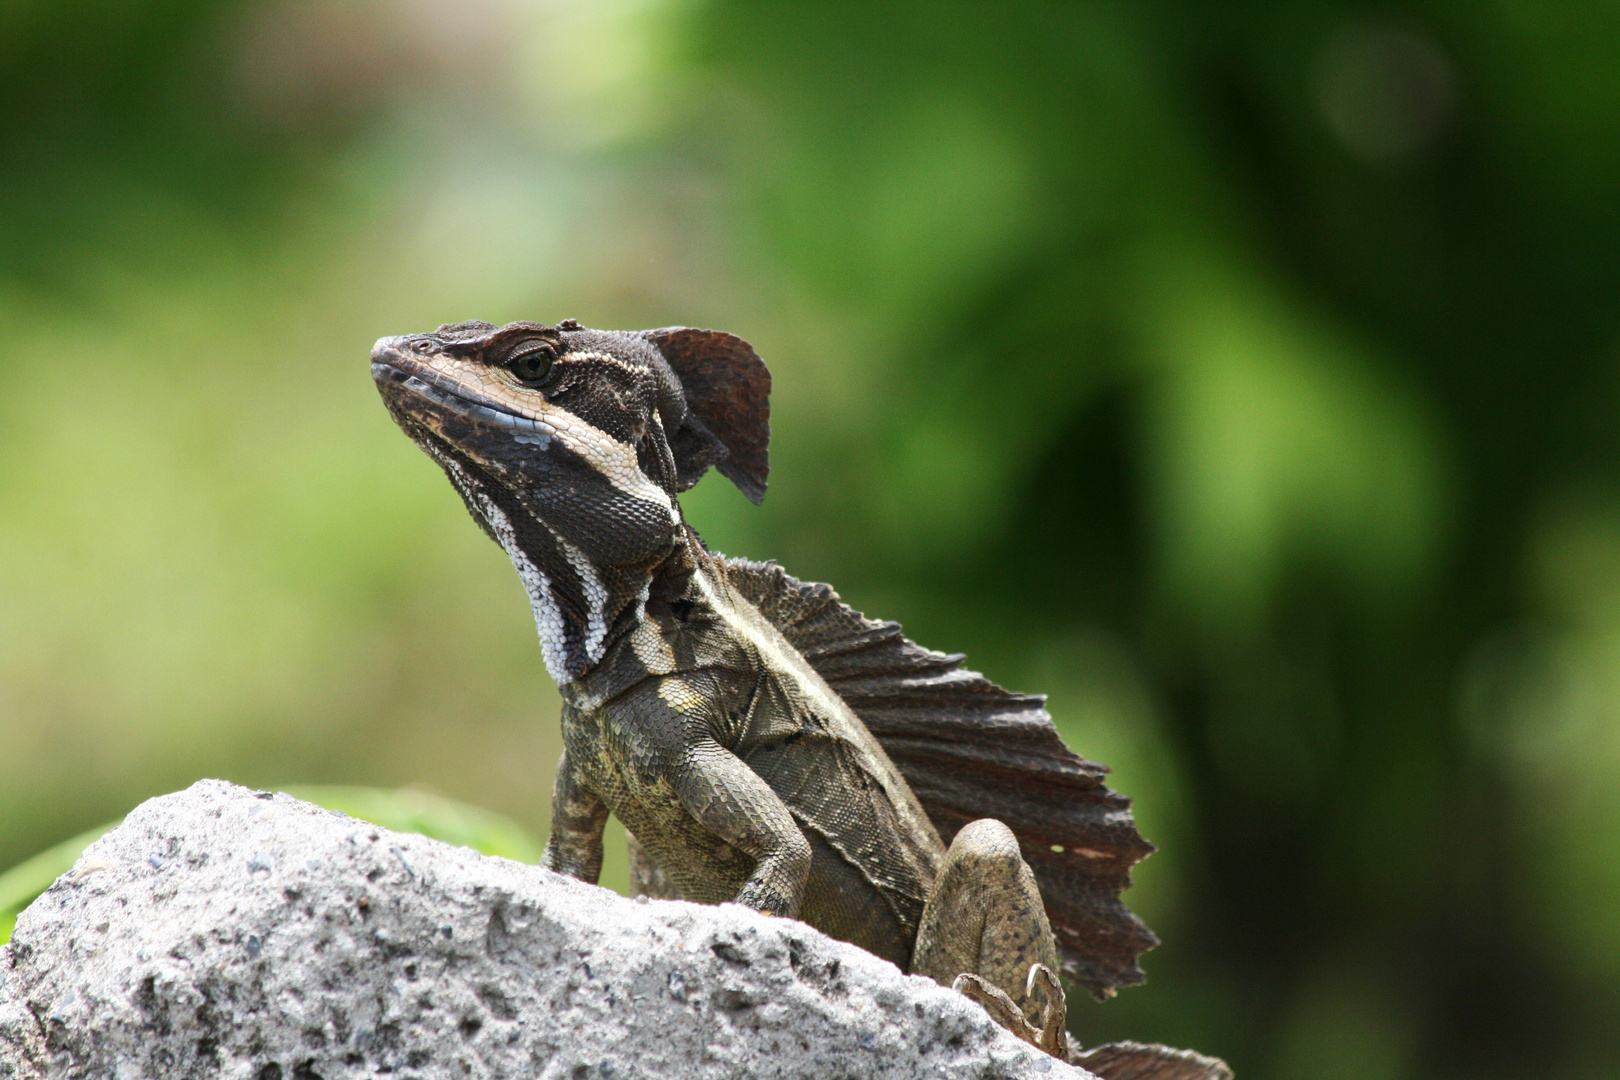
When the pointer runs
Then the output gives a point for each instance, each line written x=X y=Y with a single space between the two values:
x=386 y=350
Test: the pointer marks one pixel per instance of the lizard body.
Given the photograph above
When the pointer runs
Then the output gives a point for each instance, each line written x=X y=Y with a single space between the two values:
x=718 y=680
x=761 y=742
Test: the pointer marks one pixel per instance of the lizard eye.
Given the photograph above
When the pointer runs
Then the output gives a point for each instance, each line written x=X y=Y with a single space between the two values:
x=532 y=364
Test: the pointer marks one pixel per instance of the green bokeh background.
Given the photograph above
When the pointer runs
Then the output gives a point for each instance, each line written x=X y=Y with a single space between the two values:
x=1243 y=376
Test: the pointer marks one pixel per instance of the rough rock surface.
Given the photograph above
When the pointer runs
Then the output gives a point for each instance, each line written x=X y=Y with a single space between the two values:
x=221 y=932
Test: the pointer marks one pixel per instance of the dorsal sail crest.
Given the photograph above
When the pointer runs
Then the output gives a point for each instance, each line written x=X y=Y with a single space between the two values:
x=970 y=750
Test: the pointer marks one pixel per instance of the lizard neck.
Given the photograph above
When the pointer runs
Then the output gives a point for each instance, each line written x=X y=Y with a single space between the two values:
x=675 y=577
x=581 y=610
x=680 y=581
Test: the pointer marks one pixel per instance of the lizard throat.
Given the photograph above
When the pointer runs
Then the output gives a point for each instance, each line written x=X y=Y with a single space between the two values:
x=578 y=607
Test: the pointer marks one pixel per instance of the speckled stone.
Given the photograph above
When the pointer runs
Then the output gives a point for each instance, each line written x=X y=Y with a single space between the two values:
x=222 y=932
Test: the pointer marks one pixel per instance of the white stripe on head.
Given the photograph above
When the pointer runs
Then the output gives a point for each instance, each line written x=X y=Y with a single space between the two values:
x=615 y=460
x=454 y=384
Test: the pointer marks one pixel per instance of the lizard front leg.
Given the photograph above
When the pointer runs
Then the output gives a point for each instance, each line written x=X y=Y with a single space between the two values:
x=671 y=726
x=730 y=799
x=578 y=816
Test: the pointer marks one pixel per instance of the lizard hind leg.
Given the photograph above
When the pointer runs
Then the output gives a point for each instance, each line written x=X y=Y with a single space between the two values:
x=984 y=931
x=647 y=878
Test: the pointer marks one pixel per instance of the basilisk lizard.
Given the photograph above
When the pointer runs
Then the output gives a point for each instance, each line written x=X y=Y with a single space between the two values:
x=761 y=742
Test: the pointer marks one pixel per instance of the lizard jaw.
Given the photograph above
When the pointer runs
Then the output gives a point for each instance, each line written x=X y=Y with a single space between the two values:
x=421 y=383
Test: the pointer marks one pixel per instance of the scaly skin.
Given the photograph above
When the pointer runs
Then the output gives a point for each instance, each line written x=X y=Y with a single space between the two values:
x=741 y=773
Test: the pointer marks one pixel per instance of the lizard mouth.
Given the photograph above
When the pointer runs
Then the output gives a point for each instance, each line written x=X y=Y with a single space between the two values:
x=396 y=371
x=441 y=394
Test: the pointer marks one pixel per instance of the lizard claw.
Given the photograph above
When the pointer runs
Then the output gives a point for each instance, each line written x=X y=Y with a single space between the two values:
x=1053 y=1012
x=1050 y=1035
x=1002 y=1009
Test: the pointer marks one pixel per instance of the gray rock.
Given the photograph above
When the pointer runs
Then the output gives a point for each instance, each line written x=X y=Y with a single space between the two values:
x=221 y=932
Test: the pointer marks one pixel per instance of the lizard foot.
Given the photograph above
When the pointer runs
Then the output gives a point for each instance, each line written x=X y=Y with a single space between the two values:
x=1049 y=1033
x=765 y=900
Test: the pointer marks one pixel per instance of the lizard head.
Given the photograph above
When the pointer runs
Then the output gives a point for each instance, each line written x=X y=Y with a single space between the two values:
x=570 y=446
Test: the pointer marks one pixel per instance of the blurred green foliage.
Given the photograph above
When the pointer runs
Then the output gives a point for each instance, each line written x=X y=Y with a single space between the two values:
x=1242 y=375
